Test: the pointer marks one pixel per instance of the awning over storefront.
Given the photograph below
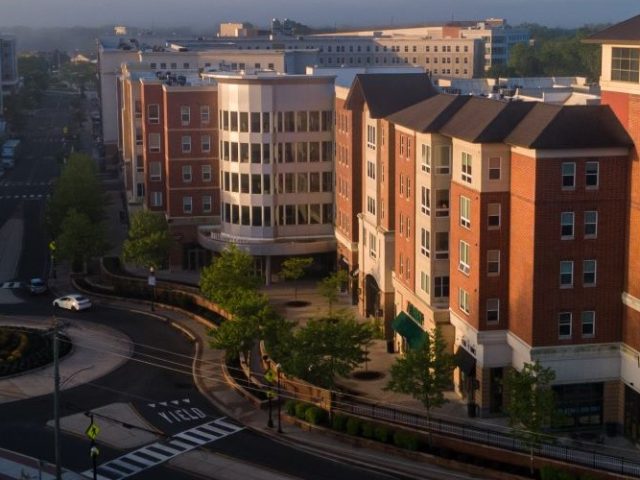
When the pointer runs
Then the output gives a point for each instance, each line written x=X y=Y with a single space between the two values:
x=410 y=330
x=465 y=361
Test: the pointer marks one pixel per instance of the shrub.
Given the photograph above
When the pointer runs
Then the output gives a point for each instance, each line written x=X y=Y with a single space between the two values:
x=381 y=434
x=315 y=415
x=405 y=440
x=301 y=410
x=367 y=430
x=339 y=422
x=353 y=426
x=290 y=407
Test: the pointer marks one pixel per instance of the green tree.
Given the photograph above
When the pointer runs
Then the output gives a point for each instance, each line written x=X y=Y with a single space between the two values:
x=327 y=347
x=294 y=269
x=425 y=372
x=80 y=239
x=531 y=404
x=235 y=337
x=79 y=188
x=523 y=61
x=230 y=275
x=149 y=242
x=329 y=286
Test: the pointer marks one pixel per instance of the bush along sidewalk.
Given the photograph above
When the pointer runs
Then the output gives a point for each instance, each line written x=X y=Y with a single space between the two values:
x=374 y=433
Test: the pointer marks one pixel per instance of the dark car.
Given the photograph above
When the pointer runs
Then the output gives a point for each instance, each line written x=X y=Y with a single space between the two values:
x=37 y=286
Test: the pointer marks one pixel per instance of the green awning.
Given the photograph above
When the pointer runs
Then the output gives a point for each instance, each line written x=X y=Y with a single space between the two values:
x=410 y=330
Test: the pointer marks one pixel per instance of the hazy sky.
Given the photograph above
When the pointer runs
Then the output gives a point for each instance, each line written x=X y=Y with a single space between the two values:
x=204 y=13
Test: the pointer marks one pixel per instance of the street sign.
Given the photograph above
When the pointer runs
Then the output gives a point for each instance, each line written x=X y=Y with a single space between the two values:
x=94 y=452
x=151 y=280
x=92 y=431
x=52 y=245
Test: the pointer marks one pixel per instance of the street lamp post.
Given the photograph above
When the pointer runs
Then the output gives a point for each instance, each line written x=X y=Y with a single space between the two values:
x=152 y=283
x=279 y=399
x=268 y=376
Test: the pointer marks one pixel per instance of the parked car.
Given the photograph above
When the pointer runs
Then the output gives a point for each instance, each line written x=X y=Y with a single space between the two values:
x=37 y=286
x=73 y=302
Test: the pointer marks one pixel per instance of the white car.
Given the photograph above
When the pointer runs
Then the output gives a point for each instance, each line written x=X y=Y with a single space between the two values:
x=73 y=302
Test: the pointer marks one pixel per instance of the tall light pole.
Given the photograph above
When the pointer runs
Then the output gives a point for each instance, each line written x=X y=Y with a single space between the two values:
x=56 y=398
x=268 y=376
x=278 y=367
x=151 y=280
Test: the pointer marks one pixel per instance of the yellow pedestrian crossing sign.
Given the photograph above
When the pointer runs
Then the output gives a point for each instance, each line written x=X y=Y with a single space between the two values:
x=270 y=376
x=92 y=431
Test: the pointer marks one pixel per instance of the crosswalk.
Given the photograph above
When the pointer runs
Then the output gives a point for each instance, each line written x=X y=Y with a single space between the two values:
x=162 y=451
x=11 y=285
x=26 y=196
x=18 y=183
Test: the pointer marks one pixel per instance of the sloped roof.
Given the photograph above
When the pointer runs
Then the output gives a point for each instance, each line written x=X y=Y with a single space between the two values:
x=626 y=32
x=483 y=120
x=431 y=114
x=574 y=126
x=387 y=93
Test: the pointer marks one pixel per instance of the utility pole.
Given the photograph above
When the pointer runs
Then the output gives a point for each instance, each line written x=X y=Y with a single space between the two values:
x=56 y=397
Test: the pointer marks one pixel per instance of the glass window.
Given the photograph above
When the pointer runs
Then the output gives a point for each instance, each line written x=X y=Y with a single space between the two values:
x=244 y=183
x=327 y=151
x=206 y=173
x=266 y=153
x=464 y=264
x=225 y=119
x=266 y=122
x=289 y=122
x=289 y=183
x=566 y=273
x=589 y=273
x=442 y=245
x=234 y=151
x=588 y=320
x=235 y=214
x=494 y=168
x=441 y=287
x=289 y=156
x=314 y=121
x=256 y=216
x=493 y=262
x=493 y=310
x=442 y=203
x=204 y=114
x=244 y=121
x=591 y=175
x=465 y=212
x=590 y=224
x=154 y=143
x=625 y=64
x=493 y=216
x=256 y=183
x=303 y=214
x=327 y=181
x=564 y=325
x=255 y=153
x=206 y=203
x=314 y=182
x=314 y=151
x=425 y=243
x=467 y=161
x=186 y=143
x=255 y=122
x=235 y=185
x=302 y=152
x=425 y=201
x=567 y=225
x=426 y=159
x=302 y=184
x=568 y=175
x=234 y=121
x=244 y=152
x=463 y=300
x=205 y=143
x=185 y=115
x=245 y=212
x=153 y=113
x=186 y=173
x=327 y=121
x=187 y=204
x=155 y=171
x=301 y=122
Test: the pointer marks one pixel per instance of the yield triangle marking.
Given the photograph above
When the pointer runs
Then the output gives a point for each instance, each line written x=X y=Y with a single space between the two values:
x=164 y=404
x=175 y=402
x=152 y=405
x=186 y=400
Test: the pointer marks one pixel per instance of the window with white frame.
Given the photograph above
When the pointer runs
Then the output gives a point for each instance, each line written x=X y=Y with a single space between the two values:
x=442 y=245
x=154 y=142
x=625 y=64
x=463 y=300
x=186 y=173
x=187 y=204
x=156 y=199
x=591 y=173
x=443 y=160
x=564 y=325
x=371 y=137
x=186 y=143
x=426 y=158
x=206 y=203
x=155 y=171
x=467 y=161
x=205 y=114
x=205 y=143
x=185 y=115
x=494 y=168
x=373 y=245
x=589 y=273
x=464 y=264
x=493 y=262
x=590 y=224
x=425 y=242
x=424 y=282
x=153 y=113
x=568 y=175
x=425 y=201
x=206 y=173
x=371 y=170
x=493 y=310
x=566 y=274
x=567 y=225
x=465 y=211
x=588 y=320
x=493 y=216
x=441 y=287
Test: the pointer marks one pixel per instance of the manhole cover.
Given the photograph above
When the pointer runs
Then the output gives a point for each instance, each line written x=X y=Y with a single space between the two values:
x=367 y=375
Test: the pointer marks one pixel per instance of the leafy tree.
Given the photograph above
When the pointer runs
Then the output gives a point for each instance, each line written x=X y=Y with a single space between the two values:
x=78 y=187
x=149 y=241
x=327 y=347
x=294 y=268
x=425 y=372
x=230 y=275
x=531 y=404
x=80 y=239
x=235 y=337
x=329 y=286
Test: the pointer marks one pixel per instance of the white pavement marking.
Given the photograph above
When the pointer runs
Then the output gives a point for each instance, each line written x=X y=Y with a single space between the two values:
x=159 y=452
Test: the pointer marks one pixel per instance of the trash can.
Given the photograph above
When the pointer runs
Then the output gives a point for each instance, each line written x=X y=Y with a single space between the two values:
x=472 y=409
